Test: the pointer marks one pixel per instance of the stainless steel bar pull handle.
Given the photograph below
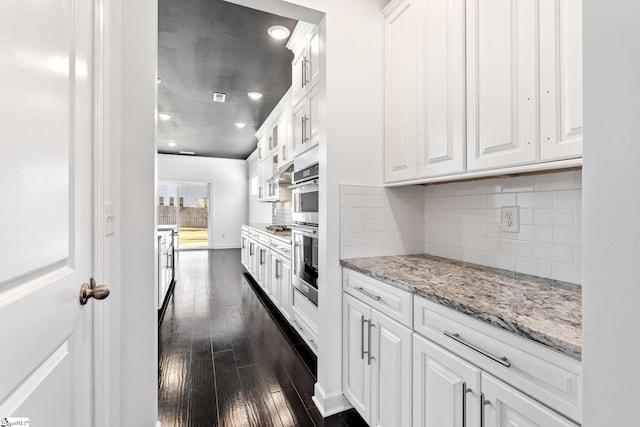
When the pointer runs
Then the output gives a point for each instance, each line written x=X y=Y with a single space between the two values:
x=483 y=403
x=369 y=294
x=369 y=356
x=362 y=322
x=465 y=390
x=501 y=360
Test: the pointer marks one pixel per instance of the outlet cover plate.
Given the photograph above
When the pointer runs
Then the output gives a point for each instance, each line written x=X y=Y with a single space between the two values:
x=511 y=219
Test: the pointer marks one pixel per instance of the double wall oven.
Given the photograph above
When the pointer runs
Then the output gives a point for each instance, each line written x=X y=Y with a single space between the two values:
x=304 y=231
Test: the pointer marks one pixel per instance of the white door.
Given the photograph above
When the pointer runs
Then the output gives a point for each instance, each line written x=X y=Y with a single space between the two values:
x=390 y=372
x=502 y=83
x=446 y=389
x=507 y=407
x=401 y=32
x=356 y=378
x=46 y=113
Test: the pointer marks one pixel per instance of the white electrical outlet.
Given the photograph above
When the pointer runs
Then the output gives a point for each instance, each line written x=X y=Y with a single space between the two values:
x=511 y=219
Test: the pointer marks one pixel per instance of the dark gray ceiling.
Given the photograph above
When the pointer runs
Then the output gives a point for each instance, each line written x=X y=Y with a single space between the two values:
x=207 y=46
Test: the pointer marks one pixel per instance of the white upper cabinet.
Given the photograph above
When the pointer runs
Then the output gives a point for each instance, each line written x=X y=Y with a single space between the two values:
x=560 y=79
x=401 y=89
x=481 y=87
x=305 y=44
x=502 y=97
x=441 y=93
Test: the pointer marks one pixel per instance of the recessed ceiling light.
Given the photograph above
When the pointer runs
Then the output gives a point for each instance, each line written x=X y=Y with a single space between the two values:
x=219 y=97
x=158 y=80
x=172 y=144
x=240 y=125
x=255 y=95
x=278 y=32
x=164 y=116
x=191 y=153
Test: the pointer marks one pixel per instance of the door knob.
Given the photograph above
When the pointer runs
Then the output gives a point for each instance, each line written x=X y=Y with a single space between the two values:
x=92 y=291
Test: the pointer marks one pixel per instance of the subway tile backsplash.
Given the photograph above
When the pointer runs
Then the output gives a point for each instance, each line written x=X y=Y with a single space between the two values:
x=377 y=221
x=461 y=220
x=550 y=237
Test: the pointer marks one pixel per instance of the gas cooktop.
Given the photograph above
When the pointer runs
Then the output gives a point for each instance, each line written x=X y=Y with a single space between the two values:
x=278 y=228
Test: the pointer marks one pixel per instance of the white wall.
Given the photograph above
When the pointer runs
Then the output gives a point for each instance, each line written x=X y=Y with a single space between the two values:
x=228 y=179
x=259 y=213
x=611 y=289
x=136 y=169
x=351 y=149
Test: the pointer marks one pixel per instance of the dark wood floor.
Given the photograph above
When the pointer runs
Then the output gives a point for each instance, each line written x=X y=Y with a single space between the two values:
x=226 y=356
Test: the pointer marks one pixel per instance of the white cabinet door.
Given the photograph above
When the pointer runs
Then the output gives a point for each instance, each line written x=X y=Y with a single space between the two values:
x=253 y=258
x=244 y=250
x=300 y=128
x=391 y=369
x=502 y=89
x=446 y=389
x=506 y=407
x=313 y=49
x=285 y=289
x=356 y=378
x=441 y=94
x=284 y=138
x=312 y=126
x=262 y=273
x=299 y=76
x=401 y=88
x=560 y=79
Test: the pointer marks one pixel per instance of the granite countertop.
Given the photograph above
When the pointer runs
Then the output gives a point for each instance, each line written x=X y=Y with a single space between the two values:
x=283 y=235
x=543 y=310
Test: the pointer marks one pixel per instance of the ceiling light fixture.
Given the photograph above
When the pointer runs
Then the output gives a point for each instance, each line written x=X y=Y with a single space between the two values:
x=191 y=153
x=240 y=125
x=219 y=97
x=254 y=95
x=158 y=80
x=172 y=144
x=278 y=32
x=164 y=116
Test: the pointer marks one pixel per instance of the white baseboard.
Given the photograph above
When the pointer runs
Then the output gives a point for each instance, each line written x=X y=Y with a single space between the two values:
x=233 y=246
x=329 y=404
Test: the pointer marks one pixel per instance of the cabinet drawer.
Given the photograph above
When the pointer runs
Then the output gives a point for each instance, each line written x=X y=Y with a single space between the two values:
x=394 y=302
x=547 y=375
x=306 y=326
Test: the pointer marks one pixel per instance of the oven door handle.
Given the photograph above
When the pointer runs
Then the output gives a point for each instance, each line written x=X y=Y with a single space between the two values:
x=311 y=183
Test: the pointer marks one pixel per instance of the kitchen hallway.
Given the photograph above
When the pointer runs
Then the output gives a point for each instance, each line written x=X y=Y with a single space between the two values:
x=224 y=360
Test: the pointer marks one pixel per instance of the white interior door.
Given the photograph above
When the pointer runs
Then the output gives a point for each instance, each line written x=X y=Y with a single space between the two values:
x=46 y=57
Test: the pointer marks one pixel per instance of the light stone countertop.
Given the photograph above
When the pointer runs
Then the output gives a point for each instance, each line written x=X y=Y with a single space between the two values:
x=282 y=235
x=543 y=310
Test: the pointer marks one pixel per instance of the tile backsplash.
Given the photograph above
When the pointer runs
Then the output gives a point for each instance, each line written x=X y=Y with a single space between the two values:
x=281 y=213
x=376 y=221
x=461 y=220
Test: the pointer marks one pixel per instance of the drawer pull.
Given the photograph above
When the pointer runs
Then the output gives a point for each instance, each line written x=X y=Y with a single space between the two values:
x=501 y=360
x=369 y=294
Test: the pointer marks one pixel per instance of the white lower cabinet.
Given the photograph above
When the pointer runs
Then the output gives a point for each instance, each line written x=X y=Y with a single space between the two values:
x=504 y=406
x=446 y=389
x=376 y=365
x=409 y=361
x=450 y=392
x=280 y=283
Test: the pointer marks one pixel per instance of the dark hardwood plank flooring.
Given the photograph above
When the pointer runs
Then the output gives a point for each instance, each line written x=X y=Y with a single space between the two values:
x=228 y=357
